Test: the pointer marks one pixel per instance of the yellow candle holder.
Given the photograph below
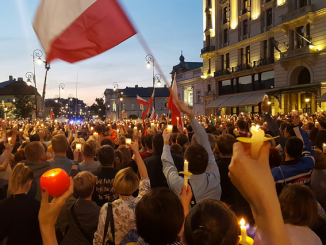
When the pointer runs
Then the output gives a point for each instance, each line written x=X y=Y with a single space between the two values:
x=248 y=241
x=251 y=140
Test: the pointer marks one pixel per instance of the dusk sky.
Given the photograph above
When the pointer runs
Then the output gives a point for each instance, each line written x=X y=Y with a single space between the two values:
x=168 y=26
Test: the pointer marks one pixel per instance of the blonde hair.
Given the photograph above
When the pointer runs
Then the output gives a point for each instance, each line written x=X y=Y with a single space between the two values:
x=20 y=175
x=126 y=182
x=84 y=183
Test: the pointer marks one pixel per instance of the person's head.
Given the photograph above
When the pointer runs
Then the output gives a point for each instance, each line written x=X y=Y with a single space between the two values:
x=126 y=156
x=282 y=127
x=159 y=217
x=106 y=141
x=182 y=139
x=288 y=131
x=311 y=125
x=212 y=141
x=21 y=179
x=320 y=139
x=59 y=144
x=118 y=158
x=126 y=182
x=293 y=147
x=174 y=138
x=242 y=124
x=298 y=205
x=34 y=151
x=149 y=141
x=197 y=157
x=90 y=149
x=158 y=142
x=84 y=183
x=176 y=149
x=34 y=137
x=2 y=147
x=106 y=156
x=142 y=139
x=275 y=158
x=98 y=129
x=211 y=222
x=189 y=129
x=225 y=144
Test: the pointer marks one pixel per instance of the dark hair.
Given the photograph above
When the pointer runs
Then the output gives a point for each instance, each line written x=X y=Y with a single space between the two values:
x=184 y=147
x=142 y=138
x=299 y=205
x=189 y=128
x=197 y=157
x=289 y=129
x=98 y=129
x=176 y=149
x=34 y=137
x=159 y=216
x=225 y=144
x=106 y=141
x=275 y=158
x=2 y=147
x=174 y=138
x=106 y=155
x=242 y=124
x=313 y=134
x=158 y=142
x=182 y=139
x=149 y=141
x=294 y=147
x=320 y=139
x=211 y=222
x=89 y=149
x=311 y=125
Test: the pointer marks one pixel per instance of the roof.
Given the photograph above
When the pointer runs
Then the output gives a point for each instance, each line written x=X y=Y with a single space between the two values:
x=142 y=92
x=17 y=88
x=3 y=84
x=186 y=66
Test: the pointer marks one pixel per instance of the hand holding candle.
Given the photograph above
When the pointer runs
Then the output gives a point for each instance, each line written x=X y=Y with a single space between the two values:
x=170 y=127
x=258 y=136
x=185 y=170
x=78 y=147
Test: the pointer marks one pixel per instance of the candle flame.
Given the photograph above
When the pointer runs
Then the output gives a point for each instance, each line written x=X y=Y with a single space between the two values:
x=186 y=162
x=242 y=222
x=324 y=144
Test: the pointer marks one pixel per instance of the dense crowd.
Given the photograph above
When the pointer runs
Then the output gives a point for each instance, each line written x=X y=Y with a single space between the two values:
x=126 y=185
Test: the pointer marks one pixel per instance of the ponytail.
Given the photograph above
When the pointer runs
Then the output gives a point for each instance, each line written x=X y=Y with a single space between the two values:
x=20 y=175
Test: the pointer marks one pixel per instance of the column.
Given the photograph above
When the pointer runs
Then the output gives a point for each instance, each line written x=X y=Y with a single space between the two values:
x=234 y=14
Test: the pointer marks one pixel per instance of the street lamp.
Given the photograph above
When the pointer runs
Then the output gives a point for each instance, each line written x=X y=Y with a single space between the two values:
x=151 y=61
x=61 y=87
x=36 y=54
x=307 y=101
x=158 y=78
x=29 y=75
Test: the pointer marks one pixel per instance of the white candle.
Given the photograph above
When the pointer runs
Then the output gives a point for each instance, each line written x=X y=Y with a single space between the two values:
x=170 y=127
x=95 y=134
x=135 y=130
x=177 y=120
x=258 y=136
x=78 y=147
x=152 y=125
x=92 y=128
x=243 y=231
x=128 y=142
x=324 y=148
x=9 y=139
x=117 y=133
x=185 y=170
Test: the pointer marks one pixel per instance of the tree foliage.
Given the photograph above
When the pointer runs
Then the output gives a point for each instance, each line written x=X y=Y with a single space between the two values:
x=98 y=108
x=23 y=106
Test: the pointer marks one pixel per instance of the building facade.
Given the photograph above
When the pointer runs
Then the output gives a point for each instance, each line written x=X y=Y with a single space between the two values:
x=123 y=102
x=258 y=47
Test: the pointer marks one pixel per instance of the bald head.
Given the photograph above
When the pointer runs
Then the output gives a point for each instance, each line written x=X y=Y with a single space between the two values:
x=34 y=151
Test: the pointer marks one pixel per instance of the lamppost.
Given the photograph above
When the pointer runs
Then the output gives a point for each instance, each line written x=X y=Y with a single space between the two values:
x=151 y=61
x=116 y=89
x=36 y=54
x=307 y=101
x=29 y=75
x=61 y=87
x=158 y=78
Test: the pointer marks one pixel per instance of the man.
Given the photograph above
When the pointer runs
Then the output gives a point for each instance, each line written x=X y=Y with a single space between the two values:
x=89 y=152
x=205 y=178
x=35 y=160
x=60 y=160
x=182 y=139
x=295 y=169
x=149 y=146
x=104 y=191
x=154 y=164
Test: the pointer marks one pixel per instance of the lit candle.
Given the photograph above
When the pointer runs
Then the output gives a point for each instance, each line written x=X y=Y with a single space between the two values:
x=258 y=136
x=118 y=133
x=170 y=127
x=109 y=125
x=152 y=125
x=128 y=142
x=324 y=148
x=95 y=134
x=135 y=130
x=20 y=130
x=56 y=181
x=92 y=128
x=185 y=170
x=9 y=139
x=243 y=230
x=177 y=120
x=78 y=147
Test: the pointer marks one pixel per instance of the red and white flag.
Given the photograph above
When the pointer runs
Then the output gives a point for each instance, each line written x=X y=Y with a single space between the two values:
x=141 y=101
x=153 y=114
x=75 y=30
x=175 y=113
x=150 y=103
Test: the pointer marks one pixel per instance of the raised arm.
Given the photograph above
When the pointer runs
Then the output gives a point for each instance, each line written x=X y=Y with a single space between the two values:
x=8 y=151
x=139 y=161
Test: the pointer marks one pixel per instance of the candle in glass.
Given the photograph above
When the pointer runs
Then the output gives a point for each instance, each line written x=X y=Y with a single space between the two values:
x=258 y=136
x=20 y=130
x=128 y=142
x=92 y=128
x=185 y=170
x=170 y=127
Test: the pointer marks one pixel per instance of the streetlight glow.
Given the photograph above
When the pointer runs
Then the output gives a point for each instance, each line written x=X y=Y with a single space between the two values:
x=307 y=100
x=148 y=65
x=39 y=61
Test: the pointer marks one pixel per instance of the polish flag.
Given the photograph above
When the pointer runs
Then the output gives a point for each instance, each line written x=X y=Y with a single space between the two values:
x=171 y=106
x=150 y=103
x=75 y=30
x=153 y=114
x=141 y=101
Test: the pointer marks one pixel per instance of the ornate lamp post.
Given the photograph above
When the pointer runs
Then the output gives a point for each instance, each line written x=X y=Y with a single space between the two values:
x=151 y=61
x=61 y=87
x=37 y=54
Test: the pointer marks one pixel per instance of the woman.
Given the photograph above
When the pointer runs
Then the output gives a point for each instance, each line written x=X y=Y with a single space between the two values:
x=126 y=182
x=80 y=214
x=19 y=212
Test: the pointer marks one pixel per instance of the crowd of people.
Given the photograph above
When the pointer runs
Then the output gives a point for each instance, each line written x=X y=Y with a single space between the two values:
x=126 y=185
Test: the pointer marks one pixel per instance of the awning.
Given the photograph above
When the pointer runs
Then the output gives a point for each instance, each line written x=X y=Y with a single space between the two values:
x=218 y=101
x=235 y=100
x=322 y=98
x=254 y=99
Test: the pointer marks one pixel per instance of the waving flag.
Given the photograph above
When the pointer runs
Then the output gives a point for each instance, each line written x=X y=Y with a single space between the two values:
x=75 y=30
x=171 y=106
x=141 y=101
x=153 y=114
x=150 y=102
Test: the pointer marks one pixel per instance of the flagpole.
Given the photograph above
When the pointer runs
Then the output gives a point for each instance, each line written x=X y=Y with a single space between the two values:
x=76 y=104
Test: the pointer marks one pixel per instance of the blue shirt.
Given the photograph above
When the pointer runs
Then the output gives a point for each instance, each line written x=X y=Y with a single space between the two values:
x=61 y=162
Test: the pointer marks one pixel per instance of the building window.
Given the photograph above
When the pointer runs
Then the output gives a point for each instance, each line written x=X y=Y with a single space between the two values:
x=114 y=106
x=225 y=12
x=267 y=80
x=208 y=87
x=248 y=55
x=245 y=6
x=302 y=3
x=240 y=56
x=132 y=107
x=209 y=3
x=269 y=17
x=225 y=87
x=190 y=98
x=299 y=35
x=245 y=27
x=225 y=35
x=198 y=96
x=208 y=40
x=245 y=84
x=209 y=66
x=304 y=77
x=308 y=31
x=227 y=60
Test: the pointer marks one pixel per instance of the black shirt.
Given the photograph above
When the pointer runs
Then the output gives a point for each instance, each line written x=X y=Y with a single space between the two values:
x=103 y=191
x=19 y=220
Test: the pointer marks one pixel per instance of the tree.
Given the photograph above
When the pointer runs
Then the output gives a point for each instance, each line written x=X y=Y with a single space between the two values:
x=23 y=106
x=98 y=108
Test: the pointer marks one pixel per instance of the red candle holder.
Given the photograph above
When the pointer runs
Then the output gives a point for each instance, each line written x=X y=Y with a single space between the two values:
x=56 y=181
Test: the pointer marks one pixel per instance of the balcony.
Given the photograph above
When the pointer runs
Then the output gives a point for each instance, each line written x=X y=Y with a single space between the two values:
x=207 y=49
x=243 y=11
x=296 y=52
x=263 y=62
x=210 y=93
x=241 y=67
x=222 y=72
x=297 y=13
